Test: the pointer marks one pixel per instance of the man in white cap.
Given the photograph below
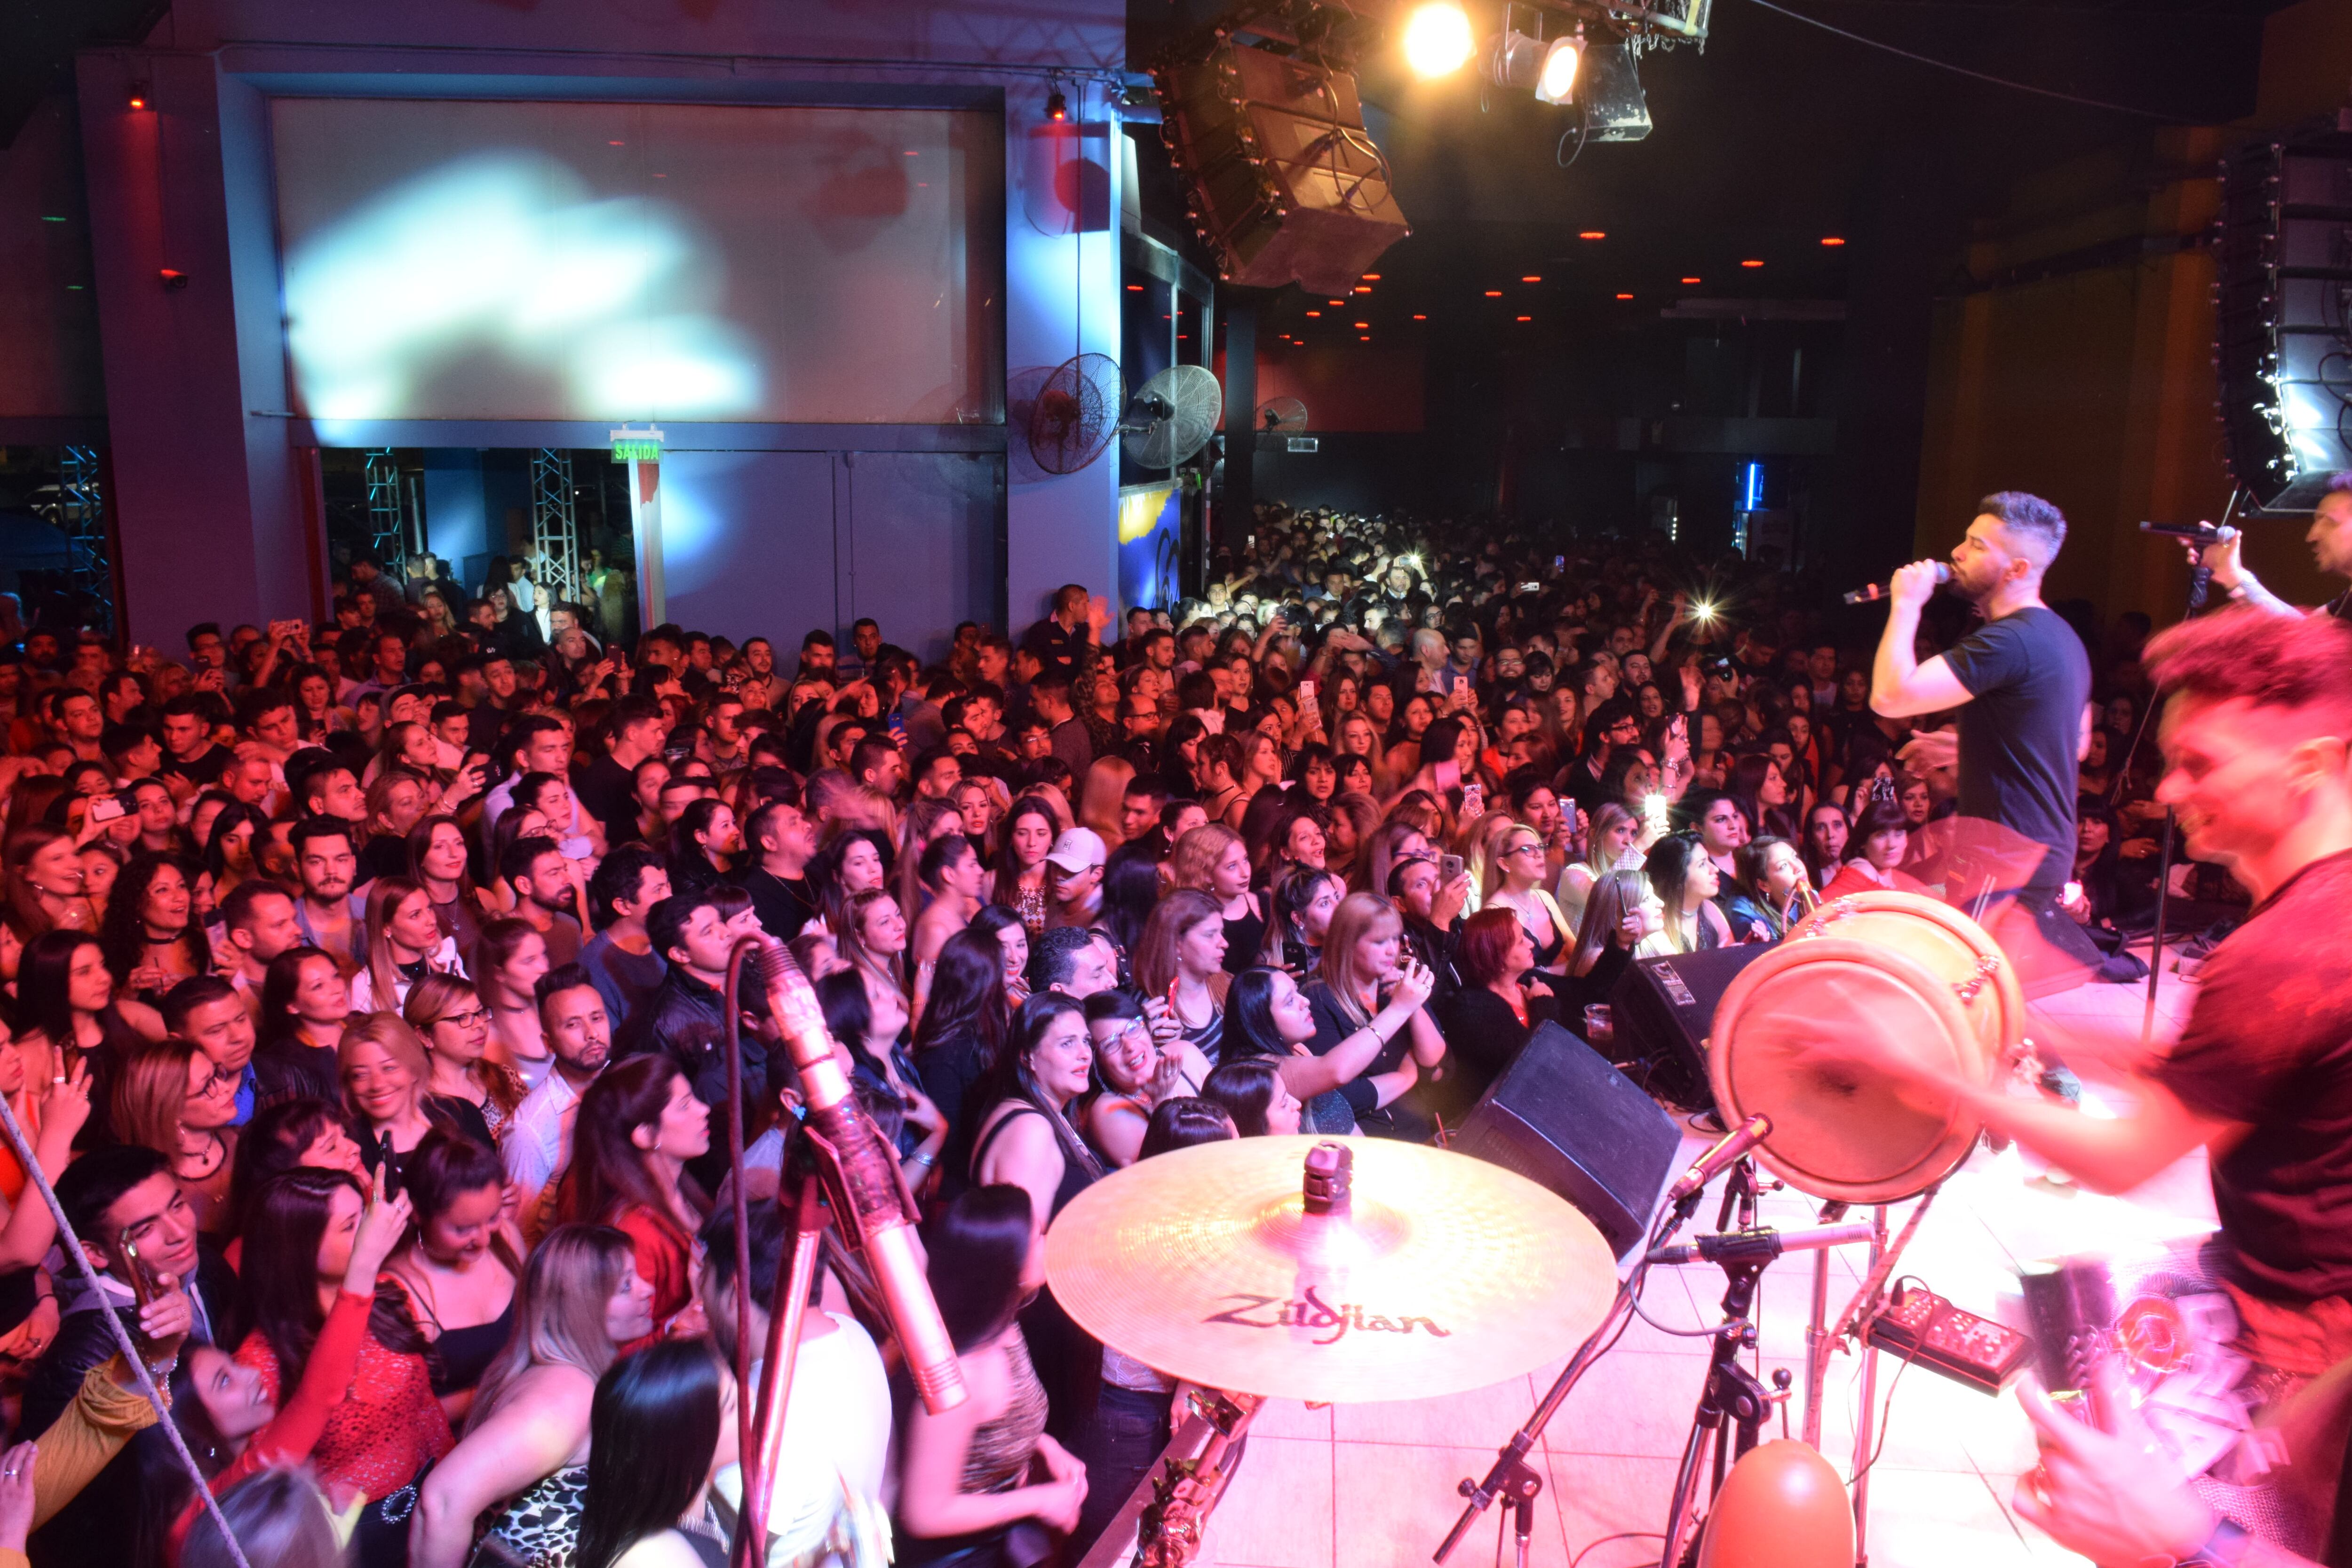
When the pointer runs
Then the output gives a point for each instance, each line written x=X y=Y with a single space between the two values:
x=1073 y=885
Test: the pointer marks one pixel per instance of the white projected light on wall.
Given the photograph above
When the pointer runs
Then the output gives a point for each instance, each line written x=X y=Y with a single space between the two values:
x=616 y=262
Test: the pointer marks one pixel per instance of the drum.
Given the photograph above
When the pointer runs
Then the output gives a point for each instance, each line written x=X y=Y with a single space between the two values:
x=1910 y=972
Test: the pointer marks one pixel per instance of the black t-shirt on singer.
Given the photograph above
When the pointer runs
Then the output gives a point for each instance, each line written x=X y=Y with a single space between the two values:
x=2269 y=1045
x=2028 y=680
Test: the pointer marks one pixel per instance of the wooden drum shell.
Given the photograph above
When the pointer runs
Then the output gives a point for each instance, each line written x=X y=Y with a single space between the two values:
x=1915 y=976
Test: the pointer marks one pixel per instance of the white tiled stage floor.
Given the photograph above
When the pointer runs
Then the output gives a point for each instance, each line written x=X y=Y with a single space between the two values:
x=1371 y=1486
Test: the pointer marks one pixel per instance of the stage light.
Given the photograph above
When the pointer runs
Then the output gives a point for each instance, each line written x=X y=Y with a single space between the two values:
x=1702 y=611
x=1593 y=233
x=1372 y=276
x=1421 y=318
x=1494 y=293
x=1362 y=325
x=1831 y=239
x=1531 y=277
x=172 y=279
x=1057 y=107
x=1526 y=318
x=1437 y=38
x=1556 y=82
x=1693 y=282
x=140 y=95
x=1625 y=296
x=1751 y=263
x=1515 y=59
x=1311 y=313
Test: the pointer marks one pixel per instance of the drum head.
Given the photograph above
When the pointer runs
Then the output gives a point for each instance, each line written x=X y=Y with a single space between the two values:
x=1837 y=1131
x=1940 y=937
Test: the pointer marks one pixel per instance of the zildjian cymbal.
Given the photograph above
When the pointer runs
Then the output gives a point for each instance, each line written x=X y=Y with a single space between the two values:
x=1267 y=1266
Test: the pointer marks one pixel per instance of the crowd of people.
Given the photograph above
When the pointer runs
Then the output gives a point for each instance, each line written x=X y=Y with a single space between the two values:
x=366 y=1003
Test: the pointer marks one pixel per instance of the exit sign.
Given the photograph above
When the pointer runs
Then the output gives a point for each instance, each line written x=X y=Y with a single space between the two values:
x=637 y=446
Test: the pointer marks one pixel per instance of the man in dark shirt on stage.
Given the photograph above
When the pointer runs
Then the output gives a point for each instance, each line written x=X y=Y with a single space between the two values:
x=2022 y=683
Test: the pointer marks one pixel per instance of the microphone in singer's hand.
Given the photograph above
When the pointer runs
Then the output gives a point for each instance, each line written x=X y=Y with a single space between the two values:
x=2200 y=532
x=1878 y=590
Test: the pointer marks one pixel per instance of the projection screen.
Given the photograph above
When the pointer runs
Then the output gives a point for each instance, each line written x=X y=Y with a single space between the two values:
x=564 y=260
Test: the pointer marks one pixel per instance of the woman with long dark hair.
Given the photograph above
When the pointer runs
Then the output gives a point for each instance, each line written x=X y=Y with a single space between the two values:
x=882 y=1069
x=151 y=935
x=962 y=1034
x=1683 y=877
x=703 y=844
x=1827 y=832
x=438 y=862
x=231 y=845
x=1765 y=900
x=298 y=1250
x=964 y=1485
x=304 y=1001
x=235 y=1426
x=46 y=885
x=526 y=1441
x=614 y=1179
x=662 y=1425
x=952 y=876
x=1027 y=832
x=68 y=1015
x=1252 y=1095
x=458 y=1268
x=1268 y=1017
x=1025 y=1137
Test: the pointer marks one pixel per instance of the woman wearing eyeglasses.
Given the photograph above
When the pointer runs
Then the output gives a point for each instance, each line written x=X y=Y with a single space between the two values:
x=169 y=1098
x=1515 y=879
x=447 y=1015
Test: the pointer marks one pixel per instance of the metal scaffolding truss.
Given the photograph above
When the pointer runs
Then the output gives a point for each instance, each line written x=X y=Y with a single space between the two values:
x=82 y=517
x=554 y=528
x=387 y=521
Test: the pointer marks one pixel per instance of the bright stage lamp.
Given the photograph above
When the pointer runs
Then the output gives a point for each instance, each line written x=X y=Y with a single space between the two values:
x=1556 y=83
x=1437 y=38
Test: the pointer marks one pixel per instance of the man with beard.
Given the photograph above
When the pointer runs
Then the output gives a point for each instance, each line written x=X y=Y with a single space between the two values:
x=537 y=1144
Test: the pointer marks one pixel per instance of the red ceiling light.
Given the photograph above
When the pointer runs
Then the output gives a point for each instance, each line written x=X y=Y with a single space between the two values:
x=1833 y=239
x=1531 y=277
x=1625 y=296
x=1751 y=263
x=1691 y=281
x=1372 y=276
x=1362 y=289
x=140 y=95
x=1135 y=288
x=1057 y=107
x=1421 y=318
x=1494 y=293
x=1361 y=326
x=1526 y=318
x=1593 y=233
x=1311 y=313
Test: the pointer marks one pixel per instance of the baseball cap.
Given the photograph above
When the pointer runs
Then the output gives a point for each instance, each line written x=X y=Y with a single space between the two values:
x=1077 y=848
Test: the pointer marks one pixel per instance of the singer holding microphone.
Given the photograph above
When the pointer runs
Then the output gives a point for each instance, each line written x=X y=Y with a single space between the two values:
x=2329 y=536
x=2022 y=683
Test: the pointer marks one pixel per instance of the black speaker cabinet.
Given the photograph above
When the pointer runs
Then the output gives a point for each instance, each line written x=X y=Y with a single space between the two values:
x=1662 y=1009
x=1563 y=1118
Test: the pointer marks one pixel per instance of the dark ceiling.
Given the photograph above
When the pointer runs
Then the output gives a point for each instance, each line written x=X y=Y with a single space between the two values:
x=1777 y=135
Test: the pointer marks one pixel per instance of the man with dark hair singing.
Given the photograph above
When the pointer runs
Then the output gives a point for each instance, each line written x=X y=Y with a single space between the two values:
x=2022 y=683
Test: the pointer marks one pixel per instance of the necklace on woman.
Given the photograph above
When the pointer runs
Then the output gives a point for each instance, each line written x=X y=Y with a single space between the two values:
x=209 y=1157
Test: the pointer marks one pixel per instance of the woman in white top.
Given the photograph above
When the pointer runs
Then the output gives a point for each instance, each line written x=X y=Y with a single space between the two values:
x=403 y=944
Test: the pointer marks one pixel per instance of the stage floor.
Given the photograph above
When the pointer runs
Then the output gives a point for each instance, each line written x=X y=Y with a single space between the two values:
x=1371 y=1486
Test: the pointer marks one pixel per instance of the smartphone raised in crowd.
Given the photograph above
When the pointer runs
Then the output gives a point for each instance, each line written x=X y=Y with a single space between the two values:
x=1449 y=867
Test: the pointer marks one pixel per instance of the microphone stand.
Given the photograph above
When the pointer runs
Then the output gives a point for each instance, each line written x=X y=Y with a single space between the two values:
x=2200 y=578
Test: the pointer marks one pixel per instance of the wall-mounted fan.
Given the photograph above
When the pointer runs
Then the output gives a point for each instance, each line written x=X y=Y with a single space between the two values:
x=1281 y=416
x=1173 y=415
x=1076 y=413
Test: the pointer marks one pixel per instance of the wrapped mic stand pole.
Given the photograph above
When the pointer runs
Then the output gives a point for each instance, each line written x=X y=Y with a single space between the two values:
x=868 y=1200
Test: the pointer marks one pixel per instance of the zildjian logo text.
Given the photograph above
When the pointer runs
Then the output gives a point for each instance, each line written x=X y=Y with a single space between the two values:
x=1314 y=1313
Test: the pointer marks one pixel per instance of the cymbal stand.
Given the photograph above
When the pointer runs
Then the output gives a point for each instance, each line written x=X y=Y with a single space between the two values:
x=1511 y=1477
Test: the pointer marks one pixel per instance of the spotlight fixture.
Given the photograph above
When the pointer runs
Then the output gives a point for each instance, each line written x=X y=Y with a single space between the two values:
x=1515 y=59
x=142 y=95
x=171 y=279
x=1438 y=40
x=1556 y=82
x=1057 y=106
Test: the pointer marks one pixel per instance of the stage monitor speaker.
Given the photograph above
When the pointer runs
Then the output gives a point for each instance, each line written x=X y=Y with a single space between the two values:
x=1281 y=179
x=2283 y=298
x=1662 y=1009
x=1563 y=1118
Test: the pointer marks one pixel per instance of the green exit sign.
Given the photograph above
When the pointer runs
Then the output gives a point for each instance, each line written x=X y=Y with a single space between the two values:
x=637 y=446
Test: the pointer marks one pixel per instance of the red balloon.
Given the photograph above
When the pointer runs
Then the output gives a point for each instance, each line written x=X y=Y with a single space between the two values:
x=1783 y=1506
